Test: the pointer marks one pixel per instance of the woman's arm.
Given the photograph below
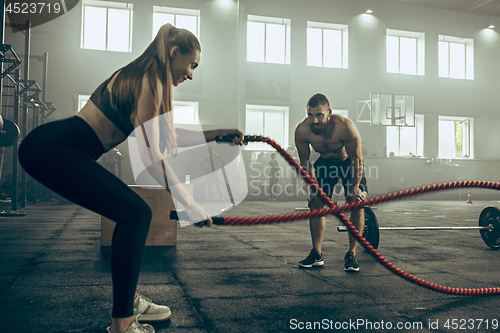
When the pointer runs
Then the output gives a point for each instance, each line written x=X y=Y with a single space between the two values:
x=148 y=140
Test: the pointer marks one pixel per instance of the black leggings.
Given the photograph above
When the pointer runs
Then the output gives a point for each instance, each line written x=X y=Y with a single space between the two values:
x=62 y=156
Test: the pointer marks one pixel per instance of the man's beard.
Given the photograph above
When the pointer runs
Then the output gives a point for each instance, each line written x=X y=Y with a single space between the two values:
x=318 y=130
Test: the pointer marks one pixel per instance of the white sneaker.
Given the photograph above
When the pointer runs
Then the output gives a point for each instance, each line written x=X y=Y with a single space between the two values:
x=146 y=310
x=135 y=327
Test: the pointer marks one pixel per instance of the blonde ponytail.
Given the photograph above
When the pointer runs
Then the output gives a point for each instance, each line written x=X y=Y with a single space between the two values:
x=165 y=75
x=154 y=62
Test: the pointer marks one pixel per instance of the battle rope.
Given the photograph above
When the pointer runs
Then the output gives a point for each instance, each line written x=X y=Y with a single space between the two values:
x=337 y=210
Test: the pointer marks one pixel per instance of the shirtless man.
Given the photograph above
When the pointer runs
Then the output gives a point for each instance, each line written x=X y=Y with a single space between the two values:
x=338 y=142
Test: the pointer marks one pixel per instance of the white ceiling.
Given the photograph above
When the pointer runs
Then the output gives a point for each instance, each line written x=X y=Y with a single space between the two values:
x=483 y=7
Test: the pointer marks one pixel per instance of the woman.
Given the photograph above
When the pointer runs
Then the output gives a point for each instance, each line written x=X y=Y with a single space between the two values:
x=62 y=156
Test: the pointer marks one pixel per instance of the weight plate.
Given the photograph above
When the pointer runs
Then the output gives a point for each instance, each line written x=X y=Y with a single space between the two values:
x=490 y=215
x=10 y=133
x=371 y=232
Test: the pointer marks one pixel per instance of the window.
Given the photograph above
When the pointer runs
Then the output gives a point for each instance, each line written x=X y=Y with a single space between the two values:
x=456 y=137
x=403 y=141
x=456 y=57
x=343 y=113
x=185 y=113
x=270 y=121
x=81 y=100
x=405 y=52
x=327 y=45
x=268 y=39
x=106 y=26
x=180 y=18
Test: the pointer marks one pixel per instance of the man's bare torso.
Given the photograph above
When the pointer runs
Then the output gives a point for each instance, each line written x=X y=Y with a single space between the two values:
x=329 y=144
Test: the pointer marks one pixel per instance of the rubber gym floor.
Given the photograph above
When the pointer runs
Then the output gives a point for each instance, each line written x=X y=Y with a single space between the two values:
x=55 y=277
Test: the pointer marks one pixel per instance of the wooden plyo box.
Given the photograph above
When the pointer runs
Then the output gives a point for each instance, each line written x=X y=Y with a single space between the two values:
x=163 y=230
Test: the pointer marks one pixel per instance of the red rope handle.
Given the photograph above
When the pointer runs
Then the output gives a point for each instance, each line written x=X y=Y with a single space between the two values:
x=337 y=210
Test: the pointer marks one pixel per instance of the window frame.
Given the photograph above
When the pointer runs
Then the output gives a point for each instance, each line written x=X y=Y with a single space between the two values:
x=184 y=104
x=268 y=108
x=468 y=144
x=176 y=11
x=420 y=50
x=107 y=5
x=468 y=55
x=275 y=21
x=343 y=113
x=344 y=43
x=419 y=137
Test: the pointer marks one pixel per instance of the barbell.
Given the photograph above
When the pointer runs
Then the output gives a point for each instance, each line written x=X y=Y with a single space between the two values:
x=489 y=227
x=9 y=132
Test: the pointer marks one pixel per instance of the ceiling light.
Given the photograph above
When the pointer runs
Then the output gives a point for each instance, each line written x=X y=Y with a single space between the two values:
x=491 y=26
x=369 y=11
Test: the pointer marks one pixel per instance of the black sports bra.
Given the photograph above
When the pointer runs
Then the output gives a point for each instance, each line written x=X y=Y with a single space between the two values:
x=124 y=124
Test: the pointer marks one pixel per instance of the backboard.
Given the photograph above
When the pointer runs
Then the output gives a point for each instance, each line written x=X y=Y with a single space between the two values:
x=392 y=109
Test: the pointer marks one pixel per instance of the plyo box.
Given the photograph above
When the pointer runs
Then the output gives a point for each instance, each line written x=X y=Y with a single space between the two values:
x=163 y=230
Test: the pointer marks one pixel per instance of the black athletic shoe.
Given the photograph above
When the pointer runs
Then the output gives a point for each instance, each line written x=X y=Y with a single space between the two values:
x=314 y=259
x=351 y=264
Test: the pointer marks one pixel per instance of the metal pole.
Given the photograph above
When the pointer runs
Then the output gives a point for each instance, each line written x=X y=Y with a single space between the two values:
x=37 y=185
x=17 y=77
x=343 y=229
x=34 y=187
x=2 y=37
x=27 y=35
x=44 y=79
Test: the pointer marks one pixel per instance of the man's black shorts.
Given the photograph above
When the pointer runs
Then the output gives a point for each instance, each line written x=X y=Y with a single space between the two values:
x=329 y=172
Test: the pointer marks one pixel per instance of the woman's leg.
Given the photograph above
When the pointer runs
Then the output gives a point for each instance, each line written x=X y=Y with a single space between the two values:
x=69 y=171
